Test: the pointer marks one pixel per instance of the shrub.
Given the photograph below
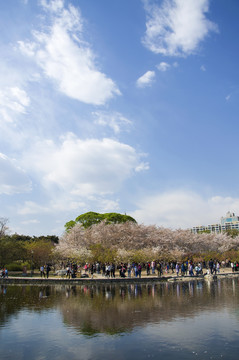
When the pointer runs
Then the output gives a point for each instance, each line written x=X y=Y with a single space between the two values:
x=17 y=266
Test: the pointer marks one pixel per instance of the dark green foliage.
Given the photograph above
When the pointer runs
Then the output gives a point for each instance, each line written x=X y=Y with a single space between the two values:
x=26 y=238
x=18 y=247
x=69 y=225
x=49 y=238
x=17 y=237
x=11 y=250
x=117 y=218
x=17 y=266
x=91 y=218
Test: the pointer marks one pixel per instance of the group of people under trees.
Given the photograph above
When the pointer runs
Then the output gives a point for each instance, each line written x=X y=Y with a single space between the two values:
x=44 y=270
x=159 y=268
x=134 y=269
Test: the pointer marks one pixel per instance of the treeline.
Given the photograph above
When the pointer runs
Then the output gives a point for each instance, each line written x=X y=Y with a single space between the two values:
x=117 y=238
x=18 y=250
x=140 y=243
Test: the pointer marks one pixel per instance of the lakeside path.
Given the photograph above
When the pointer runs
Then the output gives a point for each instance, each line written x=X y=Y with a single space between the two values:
x=97 y=279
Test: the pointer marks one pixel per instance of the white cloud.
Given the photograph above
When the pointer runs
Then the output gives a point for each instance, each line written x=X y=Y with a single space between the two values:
x=13 y=179
x=31 y=207
x=177 y=27
x=13 y=100
x=53 y=5
x=30 y=221
x=203 y=68
x=27 y=48
x=66 y=203
x=228 y=97
x=83 y=167
x=183 y=209
x=60 y=203
x=114 y=120
x=67 y=59
x=146 y=79
x=163 y=66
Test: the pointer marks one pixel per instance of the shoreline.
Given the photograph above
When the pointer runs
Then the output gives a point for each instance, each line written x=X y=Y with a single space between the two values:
x=99 y=279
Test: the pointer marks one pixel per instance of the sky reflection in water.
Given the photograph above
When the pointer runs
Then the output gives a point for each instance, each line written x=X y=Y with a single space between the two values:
x=183 y=321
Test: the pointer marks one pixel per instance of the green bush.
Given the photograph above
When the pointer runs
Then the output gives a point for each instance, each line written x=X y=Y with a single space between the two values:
x=17 y=266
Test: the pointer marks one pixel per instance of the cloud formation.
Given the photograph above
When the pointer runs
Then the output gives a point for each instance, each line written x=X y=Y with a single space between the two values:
x=13 y=100
x=176 y=27
x=13 y=179
x=146 y=79
x=183 y=209
x=66 y=58
x=163 y=66
x=115 y=120
x=83 y=167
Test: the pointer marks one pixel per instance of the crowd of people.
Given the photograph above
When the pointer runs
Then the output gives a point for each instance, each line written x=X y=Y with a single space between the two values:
x=134 y=269
x=157 y=268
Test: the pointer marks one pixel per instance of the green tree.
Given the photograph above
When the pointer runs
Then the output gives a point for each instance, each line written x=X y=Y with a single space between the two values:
x=117 y=218
x=17 y=237
x=69 y=225
x=90 y=218
x=48 y=238
x=11 y=250
x=102 y=253
x=39 y=252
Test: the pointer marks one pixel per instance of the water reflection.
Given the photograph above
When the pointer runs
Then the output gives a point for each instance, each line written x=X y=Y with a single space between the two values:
x=113 y=309
x=170 y=320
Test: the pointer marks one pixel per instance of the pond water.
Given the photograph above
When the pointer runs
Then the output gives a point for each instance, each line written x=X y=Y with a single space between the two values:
x=197 y=319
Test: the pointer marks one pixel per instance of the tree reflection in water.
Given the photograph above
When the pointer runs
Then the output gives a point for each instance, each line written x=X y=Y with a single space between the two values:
x=116 y=309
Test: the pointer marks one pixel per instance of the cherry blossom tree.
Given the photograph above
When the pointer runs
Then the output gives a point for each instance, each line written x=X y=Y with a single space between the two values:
x=131 y=241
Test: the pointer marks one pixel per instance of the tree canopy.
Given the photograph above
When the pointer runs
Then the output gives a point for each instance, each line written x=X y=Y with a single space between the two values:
x=123 y=242
x=91 y=218
x=26 y=248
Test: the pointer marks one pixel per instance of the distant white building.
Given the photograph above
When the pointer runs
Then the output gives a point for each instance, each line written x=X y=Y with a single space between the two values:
x=230 y=221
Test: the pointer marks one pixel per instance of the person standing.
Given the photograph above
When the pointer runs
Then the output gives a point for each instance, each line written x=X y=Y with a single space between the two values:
x=98 y=268
x=159 y=269
x=136 y=270
x=211 y=266
x=48 y=269
x=153 y=266
x=139 y=270
x=92 y=271
x=177 y=269
x=112 y=270
x=129 y=269
x=42 y=271
x=68 y=272
x=191 y=269
x=182 y=269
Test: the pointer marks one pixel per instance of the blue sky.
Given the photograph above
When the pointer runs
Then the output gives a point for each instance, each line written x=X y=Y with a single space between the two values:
x=118 y=106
